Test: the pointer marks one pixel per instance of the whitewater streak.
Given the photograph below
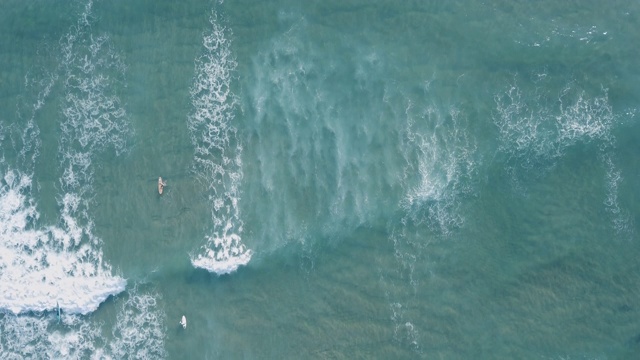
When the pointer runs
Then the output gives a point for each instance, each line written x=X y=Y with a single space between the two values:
x=43 y=268
x=217 y=160
x=137 y=334
x=37 y=268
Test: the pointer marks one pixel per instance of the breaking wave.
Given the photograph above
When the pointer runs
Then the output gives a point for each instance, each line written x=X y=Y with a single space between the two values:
x=139 y=333
x=538 y=127
x=44 y=267
x=217 y=160
x=440 y=152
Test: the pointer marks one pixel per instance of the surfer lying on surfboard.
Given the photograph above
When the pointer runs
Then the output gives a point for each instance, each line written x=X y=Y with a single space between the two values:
x=161 y=185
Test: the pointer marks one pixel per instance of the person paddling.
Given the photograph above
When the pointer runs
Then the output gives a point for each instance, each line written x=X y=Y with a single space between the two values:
x=161 y=185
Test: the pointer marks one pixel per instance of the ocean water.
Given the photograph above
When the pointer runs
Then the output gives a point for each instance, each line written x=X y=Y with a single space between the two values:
x=345 y=179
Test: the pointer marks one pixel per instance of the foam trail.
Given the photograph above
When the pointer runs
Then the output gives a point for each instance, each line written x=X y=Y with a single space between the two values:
x=41 y=267
x=620 y=218
x=442 y=157
x=94 y=119
x=139 y=329
x=30 y=137
x=534 y=130
x=30 y=337
x=441 y=164
x=217 y=159
x=405 y=332
x=138 y=333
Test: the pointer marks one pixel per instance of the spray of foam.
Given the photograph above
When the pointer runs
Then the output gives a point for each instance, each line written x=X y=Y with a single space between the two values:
x=21 y=337
x=622 y=221
x=139 y=330
x=93 y=120
x=25 y=139
x=218 y=152
x=441 y=163
x=138 y=333
x=29 y=139
x=31 y=337
x=40 y=268
x=547 y=35
x=584 y=118
x=40 y=336
x=321 y=138
x=62 y=265
x=442 y=156
x=405 y=332
x=533 y=130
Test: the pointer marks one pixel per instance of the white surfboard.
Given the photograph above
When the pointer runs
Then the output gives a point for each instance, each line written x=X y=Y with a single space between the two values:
x=161 y=185
x=183 y=322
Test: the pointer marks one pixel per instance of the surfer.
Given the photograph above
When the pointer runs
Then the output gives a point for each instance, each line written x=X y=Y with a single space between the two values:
x=161 y=185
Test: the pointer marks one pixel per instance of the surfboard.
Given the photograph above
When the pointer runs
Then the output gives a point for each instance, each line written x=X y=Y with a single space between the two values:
x=161 y=185
x=58 y=305
x=183 y=322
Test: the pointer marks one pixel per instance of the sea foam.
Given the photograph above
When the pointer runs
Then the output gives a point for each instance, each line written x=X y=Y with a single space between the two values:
x=139 y=332
x=537 y=126
x=440 y=152
x=43 y=267
x=217 y=160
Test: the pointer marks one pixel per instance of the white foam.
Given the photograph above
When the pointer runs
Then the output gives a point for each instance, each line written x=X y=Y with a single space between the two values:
x=614 y=178
x=139 y=329
x=443 y=159
x=93 y=115
x=575 y=118
x=30 y=145
x=521 y=129
x=227 y=255
x=31 y=337
x=533 y=130
x=405 y=332
x=138 y=333
x=620 y=218
x=584 y=118
x=218 y=153
x=23 y=337
x=42 y=266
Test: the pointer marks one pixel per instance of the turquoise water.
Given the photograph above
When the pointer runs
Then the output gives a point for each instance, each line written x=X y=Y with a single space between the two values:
x=345 y=179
